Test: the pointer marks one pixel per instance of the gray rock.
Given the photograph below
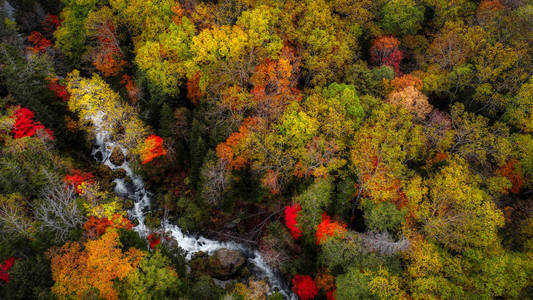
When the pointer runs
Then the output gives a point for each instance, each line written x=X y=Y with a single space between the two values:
x=225 y=263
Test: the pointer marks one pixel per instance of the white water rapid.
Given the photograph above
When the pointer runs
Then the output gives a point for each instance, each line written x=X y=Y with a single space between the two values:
x=191 y=244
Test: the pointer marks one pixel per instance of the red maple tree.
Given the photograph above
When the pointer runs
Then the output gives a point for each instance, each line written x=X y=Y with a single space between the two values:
x=59 y=90
x=291 y=212
x=5 y=267
x=26 y=126
x=77 y=177
x=154 y=239
x=304 y=286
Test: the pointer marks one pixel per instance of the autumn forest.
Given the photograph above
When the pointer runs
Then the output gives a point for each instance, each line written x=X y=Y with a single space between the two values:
x=266 y=149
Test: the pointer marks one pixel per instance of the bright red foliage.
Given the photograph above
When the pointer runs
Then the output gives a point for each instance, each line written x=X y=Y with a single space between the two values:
x=291 y=212
x=328 y=228
x=385 y=51
x=331 y=295
x=5 y=267
x=77 y=177
x=59 y=90
x=40 y=43
x=304 y=287
x=26 y=126
x=154 y=240
x=151 y=148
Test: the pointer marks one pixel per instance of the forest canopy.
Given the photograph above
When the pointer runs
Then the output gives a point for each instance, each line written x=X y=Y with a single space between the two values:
x=353 y=149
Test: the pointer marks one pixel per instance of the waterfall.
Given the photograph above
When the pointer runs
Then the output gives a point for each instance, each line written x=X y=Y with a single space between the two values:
x=191 y=244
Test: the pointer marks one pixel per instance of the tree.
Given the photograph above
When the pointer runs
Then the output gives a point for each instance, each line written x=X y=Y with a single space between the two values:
x=5 y=267
x=459 y=214
x=101 y=108
x=92 y=270
x=412 y=100
x=29 y=278
x=401 y=17
x=151 y=148
x=215 y=179
x=313 y=201
x=14 y=217
x=304 y=286
x=153 y=279
x=476 y=141
x=58 y=210
x=385 y=51
x=291 y=212
x=166 y=59
x=70 y=36
x=40 y=43
x=76 y=177
x=382 y=151
x=520 y=111
x=406 y=80
x=327 y=43
x=107 y=55
x=328 y=228
x=26 y=126
x=354 y=284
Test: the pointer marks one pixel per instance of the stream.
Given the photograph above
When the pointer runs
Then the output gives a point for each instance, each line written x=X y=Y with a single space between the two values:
x=190 y=243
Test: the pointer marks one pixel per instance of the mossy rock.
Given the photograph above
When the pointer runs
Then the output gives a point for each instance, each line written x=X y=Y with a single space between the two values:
x=117 y=157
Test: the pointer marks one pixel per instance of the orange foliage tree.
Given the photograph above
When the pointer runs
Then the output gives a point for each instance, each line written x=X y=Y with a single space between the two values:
x=107 y=56
x=40 y=43
x=225 y=151
x=193 y=88
x=412 y=100
x=513 y=172
x=328 y=228
x=131 y=88
x=385 y=51
x=95 y=227
x=274 y=84
x=91 y=270
x=400 y=83
x=151 y=148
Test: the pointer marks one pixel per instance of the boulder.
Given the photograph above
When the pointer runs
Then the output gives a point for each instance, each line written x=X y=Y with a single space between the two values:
x=119 y=173
x=117 y=157
x=225 y=263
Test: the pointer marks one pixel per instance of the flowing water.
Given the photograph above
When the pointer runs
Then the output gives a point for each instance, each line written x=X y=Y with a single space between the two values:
x=191 y=244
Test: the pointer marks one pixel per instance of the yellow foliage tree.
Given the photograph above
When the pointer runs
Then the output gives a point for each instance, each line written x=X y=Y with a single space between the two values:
x=97 y=104
x=91 y=270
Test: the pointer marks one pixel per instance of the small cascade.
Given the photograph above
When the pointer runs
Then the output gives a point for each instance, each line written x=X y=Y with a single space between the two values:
x=191 y=244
